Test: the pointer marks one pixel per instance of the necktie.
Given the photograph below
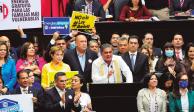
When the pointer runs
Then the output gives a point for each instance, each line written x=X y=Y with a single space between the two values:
x=177 y=55
x=181 y=3
x=132 y=61
x=90 y=8
x=25 y=91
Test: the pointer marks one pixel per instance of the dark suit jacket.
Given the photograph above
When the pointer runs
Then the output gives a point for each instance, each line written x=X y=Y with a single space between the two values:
x=52 y=99
x=175 y=6
x=157 y=52
x=141 y=67
x=97 y=8
x=36 y=93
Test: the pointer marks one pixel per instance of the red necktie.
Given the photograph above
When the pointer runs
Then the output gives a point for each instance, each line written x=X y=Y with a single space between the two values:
x=181 y=3
x=178 y=55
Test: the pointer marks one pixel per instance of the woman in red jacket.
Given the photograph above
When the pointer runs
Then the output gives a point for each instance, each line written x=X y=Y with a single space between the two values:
x=134 y=11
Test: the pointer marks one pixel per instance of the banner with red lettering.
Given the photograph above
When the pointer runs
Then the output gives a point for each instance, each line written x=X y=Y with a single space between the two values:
x=23 y=13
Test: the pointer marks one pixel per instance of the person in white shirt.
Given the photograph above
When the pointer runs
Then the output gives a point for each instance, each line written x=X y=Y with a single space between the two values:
x=109 y=68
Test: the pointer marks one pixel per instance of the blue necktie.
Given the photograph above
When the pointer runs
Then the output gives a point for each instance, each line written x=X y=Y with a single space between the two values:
x=132 y=61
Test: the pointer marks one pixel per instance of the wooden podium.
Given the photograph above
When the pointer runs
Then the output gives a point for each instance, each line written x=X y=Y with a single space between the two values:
x=114 y=97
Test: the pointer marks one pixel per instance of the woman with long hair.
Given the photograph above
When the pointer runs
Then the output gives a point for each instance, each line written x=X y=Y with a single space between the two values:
x=181 y=99
x=134 y=11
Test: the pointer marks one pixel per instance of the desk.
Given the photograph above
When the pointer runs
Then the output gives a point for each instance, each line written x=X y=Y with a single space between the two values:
x=162 y=30
x=114 y=97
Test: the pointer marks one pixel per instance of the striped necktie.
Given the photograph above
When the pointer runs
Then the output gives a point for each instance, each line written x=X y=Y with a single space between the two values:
x=181 y=3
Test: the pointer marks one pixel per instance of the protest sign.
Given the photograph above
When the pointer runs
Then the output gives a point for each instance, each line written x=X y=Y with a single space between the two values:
x=53 y=24
x=23 y=13
x=82 y=21
x=16 y=103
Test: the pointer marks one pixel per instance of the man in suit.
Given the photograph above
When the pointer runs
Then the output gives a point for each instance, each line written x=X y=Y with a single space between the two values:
x=59 y=99
x=82 y=58
x=137 y=62
x=178 y=42
x=94 y=7
x=24 y=88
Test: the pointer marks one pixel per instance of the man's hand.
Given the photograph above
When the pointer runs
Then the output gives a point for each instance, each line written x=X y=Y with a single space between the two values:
x=55 y=35
x=34 y=99
x=20 y=30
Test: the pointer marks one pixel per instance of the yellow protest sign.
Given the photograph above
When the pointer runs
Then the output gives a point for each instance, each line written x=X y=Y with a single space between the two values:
x=82 y=21
x=69 y=75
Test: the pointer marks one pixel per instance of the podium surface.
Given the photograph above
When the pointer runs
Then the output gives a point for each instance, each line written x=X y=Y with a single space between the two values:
x=114 y=97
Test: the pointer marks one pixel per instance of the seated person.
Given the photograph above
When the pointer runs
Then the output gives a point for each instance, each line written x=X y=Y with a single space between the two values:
x=180 y=7
x=94 y=7
x=134 y=11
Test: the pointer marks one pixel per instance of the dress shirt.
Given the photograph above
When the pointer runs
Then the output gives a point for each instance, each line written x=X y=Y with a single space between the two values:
x=61 y=92
x=82 y=60
x=99 y=77
x=134 y=56
x=185 y=102
x=24 y=90
x=180 y=53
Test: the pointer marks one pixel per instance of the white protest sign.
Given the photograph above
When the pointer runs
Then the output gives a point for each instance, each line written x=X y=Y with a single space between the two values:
x=23 y=13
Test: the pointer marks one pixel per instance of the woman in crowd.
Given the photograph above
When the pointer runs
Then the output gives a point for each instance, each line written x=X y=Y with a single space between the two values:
x=7 y=69
x=134 y=11
x=148 y=50
x=181 y=99
x=188 y=62
x=51 y=68
x=151 y=98
x=168 y=62
x=84 y=98
x=29 y=60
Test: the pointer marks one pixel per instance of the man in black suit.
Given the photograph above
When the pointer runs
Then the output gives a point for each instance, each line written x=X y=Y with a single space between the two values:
x=59 y=99
x=24 y=88
x=96 y=7
x=82 y=57
x=137 y=62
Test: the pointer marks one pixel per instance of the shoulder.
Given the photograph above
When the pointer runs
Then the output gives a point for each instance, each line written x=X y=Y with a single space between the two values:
x=142 y=91
x=161 y=92
x=10 y=60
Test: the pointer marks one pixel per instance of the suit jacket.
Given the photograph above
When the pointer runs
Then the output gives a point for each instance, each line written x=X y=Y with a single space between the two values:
x=141 y=67
x=175 y=6
x=36 y=93
x=97 y=8
x=175 y=103
x=52 y=101
x=8 y=72
x=157 y=52
x=143 y=100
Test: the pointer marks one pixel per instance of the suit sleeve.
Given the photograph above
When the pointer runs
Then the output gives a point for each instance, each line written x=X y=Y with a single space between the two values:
x=140 y=101
x=172 y=102
x=126 y=71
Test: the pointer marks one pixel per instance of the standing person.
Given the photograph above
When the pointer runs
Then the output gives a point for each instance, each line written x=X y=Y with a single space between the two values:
x=7 y=68
x=151 y=98
x=181 y=99
x=82 y=58
x=24 y=88
x=109 y=68
x=188 y=62
x=134 y=11
x=29 y=60
x=54 y=66
x=84 y=99
x=137 y=61
x=114 y=42
x=178 y=43
x=60 y=99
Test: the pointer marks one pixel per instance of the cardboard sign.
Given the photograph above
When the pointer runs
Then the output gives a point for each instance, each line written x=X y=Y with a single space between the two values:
x=16 y=103
x=60 y=24
x=82 y=21
x=23 y=13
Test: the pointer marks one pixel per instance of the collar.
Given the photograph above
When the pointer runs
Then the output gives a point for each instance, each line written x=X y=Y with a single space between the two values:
x=21 y=88
x=52 y=64
x=79 y=54
x=87 y=3
x=133 y=53
x=59 y=90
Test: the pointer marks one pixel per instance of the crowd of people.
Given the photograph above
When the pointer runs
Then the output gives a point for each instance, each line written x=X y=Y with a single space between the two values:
x=134 y=10
x=166 y=73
